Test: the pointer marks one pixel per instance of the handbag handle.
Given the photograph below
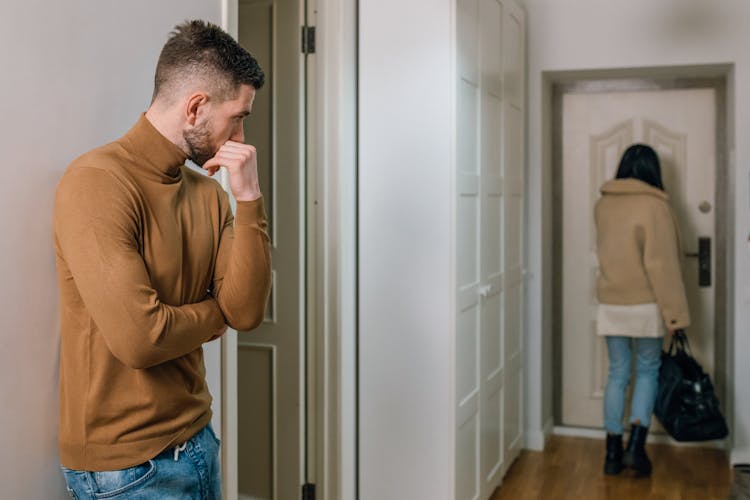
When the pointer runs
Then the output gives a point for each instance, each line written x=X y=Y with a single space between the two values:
x=679 y=339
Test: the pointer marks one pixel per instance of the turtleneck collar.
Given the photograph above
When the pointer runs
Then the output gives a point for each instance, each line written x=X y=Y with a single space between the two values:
x=159 y=157
x=632 y=186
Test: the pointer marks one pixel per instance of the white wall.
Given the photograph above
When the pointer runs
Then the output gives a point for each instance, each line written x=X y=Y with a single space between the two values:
x=598 y=34
x=405 y=193
x=76 y=74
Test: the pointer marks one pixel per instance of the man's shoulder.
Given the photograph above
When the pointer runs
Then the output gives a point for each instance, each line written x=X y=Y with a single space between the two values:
x=99 y=169
x=109 y=157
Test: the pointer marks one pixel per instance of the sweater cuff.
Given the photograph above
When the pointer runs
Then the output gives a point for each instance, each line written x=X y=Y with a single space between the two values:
x=676 y=321
x=249 y=212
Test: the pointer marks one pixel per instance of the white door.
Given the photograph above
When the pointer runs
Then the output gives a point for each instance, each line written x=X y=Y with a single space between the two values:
x=514 y=67
x=271 y=358
x=680 y=125
x=489 y=243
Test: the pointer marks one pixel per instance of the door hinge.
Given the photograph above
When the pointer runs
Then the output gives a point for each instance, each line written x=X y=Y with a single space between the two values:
x=308 y=492
x=308 y=39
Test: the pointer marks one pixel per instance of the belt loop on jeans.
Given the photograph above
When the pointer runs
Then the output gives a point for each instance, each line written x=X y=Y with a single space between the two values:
x=178 y=449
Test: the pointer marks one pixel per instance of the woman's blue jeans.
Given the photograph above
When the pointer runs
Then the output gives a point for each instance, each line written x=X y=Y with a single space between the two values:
x=190 y=473
x=648 y=361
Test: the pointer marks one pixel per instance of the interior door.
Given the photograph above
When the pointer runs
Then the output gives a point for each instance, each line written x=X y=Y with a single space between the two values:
x=680 y=124
x=490 y=185
x=514 y=68
x=271 y=358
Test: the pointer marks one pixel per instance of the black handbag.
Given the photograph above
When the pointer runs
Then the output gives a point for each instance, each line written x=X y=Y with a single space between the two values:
x=686 y=404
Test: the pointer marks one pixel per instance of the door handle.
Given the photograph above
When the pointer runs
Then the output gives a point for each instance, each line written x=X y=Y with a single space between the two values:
x=704 y=261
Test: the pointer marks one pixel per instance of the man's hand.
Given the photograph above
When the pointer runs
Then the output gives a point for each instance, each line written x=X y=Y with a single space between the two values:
x=219 y=333
x=242 y=163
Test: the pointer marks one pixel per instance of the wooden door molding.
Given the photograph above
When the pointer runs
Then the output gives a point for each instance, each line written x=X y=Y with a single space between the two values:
x=666 y=140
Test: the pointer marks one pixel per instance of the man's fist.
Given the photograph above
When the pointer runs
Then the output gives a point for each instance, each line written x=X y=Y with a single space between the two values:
x=241 y=162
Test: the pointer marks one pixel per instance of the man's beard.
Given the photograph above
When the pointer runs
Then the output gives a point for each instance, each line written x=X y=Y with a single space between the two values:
x=198 y=140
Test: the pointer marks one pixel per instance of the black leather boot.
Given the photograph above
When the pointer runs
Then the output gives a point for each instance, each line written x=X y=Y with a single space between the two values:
x=635 y=454
x=613 y=460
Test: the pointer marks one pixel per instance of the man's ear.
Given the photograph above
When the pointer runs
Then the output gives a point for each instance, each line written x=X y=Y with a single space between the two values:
x=195 y=106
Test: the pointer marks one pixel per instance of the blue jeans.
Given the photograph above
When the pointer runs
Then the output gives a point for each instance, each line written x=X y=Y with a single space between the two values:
x=648 y=361
x=194 y=475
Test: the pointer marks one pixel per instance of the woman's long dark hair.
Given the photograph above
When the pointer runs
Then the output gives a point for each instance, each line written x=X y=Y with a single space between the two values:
x=640 y=162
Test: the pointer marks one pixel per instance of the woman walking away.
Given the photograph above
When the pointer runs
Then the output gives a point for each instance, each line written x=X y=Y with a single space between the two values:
x=641 y=296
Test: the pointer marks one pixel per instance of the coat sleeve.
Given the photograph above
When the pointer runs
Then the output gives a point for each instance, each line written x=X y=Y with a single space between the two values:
x=242 y=276
x=661 y=258
x=96 y=237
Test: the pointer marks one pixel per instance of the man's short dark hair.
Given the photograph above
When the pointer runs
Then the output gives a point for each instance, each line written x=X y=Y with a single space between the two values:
x=201 y=50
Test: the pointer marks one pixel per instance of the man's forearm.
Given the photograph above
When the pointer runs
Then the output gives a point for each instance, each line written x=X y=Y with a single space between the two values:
x=244 y=265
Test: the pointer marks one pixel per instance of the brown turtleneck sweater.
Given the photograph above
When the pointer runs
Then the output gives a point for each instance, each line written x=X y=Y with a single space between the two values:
x=151 y=264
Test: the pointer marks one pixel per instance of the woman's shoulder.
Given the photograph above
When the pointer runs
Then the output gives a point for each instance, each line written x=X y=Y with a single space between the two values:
x=635 y=208
x=632 y=193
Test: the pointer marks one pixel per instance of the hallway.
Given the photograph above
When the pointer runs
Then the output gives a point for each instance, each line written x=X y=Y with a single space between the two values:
x=571 y=468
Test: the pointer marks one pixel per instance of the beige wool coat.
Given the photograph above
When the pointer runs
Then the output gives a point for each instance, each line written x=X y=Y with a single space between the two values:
x=639 y=251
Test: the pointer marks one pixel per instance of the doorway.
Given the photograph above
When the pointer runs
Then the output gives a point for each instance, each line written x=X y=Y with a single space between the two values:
x=594 y=121
x=314 y=157
x=272 y=360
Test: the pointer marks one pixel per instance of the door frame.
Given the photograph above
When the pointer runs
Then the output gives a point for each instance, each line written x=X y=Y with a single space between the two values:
x=629 y=81
x=331 y=280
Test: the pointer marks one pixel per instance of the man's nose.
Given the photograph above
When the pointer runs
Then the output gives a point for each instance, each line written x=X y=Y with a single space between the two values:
x=238 y=135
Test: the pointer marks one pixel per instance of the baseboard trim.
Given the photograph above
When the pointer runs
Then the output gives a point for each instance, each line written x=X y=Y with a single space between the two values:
x=248 y=497
x=536 y=440
x=741 y=456
x=584 y=432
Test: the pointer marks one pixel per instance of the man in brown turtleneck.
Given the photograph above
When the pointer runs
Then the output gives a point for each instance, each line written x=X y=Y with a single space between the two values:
x=151 y=265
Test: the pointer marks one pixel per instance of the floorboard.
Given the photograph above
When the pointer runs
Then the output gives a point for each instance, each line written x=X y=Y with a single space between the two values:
x=571 y=468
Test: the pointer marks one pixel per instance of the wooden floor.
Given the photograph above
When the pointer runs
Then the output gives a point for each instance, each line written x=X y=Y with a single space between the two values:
x=571 y=468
